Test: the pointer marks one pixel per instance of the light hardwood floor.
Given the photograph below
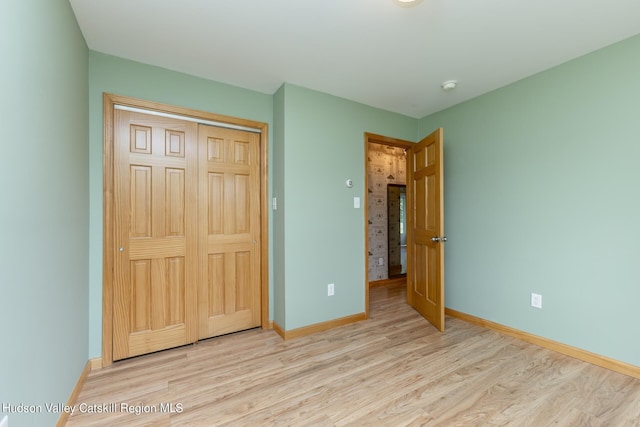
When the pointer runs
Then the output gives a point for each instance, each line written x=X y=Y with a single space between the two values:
x=393 y=369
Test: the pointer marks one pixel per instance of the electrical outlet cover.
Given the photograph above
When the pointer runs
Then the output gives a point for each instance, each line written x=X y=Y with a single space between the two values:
x=536 y=300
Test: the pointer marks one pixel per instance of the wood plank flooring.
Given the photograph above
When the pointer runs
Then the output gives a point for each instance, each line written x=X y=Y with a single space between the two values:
x=393 y=369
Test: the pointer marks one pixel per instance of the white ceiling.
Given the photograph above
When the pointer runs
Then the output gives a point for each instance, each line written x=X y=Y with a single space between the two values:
x=370 y=51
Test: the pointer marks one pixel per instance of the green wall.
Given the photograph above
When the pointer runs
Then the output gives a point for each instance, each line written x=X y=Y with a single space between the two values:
x=542 y=194
x=323 y=146
x=122 y=77
x=45 y=204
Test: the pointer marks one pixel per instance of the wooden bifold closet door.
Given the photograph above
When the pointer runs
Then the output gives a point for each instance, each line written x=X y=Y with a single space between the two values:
x=186 y=229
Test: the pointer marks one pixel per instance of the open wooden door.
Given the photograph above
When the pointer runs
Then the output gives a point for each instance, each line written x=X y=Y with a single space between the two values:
x=425 y=220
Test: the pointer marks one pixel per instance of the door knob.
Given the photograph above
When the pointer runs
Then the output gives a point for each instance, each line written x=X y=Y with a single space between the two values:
x=438 y=239
x=121 y=249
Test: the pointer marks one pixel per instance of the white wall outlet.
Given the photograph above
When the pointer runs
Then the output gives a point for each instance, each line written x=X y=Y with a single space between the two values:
x=5 y=421
x=380 y=261
x=536 y=300
x=331 y=289
x=275 y=204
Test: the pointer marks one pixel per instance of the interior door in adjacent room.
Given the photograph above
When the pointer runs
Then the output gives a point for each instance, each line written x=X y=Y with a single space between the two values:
x=229 y=222
x=155 y=229
x=425 y=220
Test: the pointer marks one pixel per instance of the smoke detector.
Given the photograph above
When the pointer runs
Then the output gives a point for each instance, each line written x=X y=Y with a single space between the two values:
x=449 y=85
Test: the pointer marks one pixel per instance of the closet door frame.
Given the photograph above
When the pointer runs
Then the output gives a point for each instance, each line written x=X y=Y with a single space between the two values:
x=108 y=249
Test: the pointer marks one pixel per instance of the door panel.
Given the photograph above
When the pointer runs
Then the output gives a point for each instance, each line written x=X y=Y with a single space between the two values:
x=229 y=217
x=425 y=219
x=155 y=268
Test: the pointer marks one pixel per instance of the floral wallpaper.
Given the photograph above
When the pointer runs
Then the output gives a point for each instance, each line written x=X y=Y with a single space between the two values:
x=386 y=165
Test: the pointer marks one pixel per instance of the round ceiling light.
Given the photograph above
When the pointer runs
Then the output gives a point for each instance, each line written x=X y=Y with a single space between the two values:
x=407 y=3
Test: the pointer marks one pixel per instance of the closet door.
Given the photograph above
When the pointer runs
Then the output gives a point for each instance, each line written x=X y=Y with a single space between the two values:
x=156 y=261
x=229 y=223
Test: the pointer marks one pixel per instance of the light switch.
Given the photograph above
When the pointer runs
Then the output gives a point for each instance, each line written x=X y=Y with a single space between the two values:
x=356 y=202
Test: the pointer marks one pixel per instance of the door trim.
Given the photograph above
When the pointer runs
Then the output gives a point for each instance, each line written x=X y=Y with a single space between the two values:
x=108 y=246
x=383 y=140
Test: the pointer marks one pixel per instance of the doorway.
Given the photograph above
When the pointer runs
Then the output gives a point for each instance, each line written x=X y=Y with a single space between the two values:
x=423 y=168
x=385 y=177
x=397 y=230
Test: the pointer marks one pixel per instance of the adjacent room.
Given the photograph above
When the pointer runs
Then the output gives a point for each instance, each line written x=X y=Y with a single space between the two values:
x=374 y=212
